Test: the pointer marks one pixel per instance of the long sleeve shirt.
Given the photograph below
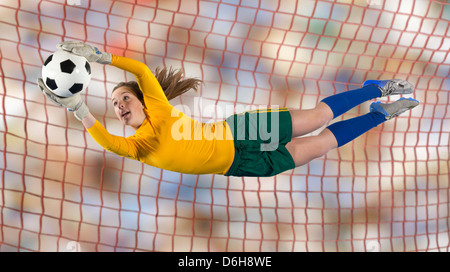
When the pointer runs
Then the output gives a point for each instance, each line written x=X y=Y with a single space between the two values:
x=168 y=138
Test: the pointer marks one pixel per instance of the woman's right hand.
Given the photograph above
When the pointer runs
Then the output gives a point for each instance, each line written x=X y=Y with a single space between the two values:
x=73 y=103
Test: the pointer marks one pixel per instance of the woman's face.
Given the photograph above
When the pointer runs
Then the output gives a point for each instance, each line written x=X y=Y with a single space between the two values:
x=129 y=110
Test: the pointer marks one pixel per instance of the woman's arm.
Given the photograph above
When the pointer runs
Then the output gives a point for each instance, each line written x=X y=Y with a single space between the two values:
x=148 y=83
x=88 y=121
x=119 y=145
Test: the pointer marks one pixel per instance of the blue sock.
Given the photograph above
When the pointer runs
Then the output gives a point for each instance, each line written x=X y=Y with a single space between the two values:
x=348 y=130
x=343 y=102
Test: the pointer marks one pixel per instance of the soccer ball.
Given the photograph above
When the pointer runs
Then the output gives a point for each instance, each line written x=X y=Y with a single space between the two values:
x=66 y=74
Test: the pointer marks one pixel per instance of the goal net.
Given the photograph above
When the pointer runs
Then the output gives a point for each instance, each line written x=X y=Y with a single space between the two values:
x=386 y=191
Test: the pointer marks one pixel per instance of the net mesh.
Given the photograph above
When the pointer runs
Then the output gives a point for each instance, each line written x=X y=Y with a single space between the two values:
x=386 y=191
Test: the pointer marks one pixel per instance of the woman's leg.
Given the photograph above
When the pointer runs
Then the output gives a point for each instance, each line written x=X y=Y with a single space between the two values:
x=305 y=149
x=343 y=102
x=307 y=121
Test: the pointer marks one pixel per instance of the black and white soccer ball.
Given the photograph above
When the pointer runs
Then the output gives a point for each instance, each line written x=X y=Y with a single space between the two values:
x=66 y=74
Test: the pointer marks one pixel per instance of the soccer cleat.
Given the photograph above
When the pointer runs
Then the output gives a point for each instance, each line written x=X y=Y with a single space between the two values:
x=392 y=86
x=394 y=109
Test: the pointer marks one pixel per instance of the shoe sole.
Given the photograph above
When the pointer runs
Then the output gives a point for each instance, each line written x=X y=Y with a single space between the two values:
x=377 y=107
x=382 y=83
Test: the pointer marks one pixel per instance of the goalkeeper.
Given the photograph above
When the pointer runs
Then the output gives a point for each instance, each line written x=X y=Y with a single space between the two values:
x=237 y=146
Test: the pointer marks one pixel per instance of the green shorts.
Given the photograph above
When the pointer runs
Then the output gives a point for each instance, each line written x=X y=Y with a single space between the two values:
x=260 y=139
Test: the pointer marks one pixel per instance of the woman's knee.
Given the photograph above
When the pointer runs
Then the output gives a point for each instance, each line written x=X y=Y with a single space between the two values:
x=329 y=142
x=307 y=121
x=304 y=150
x=324 y=113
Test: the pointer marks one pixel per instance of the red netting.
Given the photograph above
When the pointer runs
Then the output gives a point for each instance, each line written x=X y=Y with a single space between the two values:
x=388 y=190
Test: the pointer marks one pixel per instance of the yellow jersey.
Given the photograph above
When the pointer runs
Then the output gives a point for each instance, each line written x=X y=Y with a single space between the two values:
x=168 y=138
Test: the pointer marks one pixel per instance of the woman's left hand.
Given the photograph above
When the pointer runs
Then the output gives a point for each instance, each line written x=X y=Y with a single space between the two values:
x=90 y=52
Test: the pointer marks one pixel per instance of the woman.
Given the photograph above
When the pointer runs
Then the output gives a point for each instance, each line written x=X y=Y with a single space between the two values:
x=243 y=144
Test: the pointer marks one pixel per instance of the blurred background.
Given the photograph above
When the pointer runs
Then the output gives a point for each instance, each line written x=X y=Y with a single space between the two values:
x=386 y=191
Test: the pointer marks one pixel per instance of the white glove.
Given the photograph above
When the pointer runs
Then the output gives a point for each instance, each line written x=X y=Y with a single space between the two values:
x=73 y=103
x=91 y=53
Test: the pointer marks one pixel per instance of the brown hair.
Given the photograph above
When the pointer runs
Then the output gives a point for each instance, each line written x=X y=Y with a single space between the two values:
x=171 y=81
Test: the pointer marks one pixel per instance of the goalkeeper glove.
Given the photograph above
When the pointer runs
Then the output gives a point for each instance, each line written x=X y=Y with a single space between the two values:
x=73 y=103
x=91 y=53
